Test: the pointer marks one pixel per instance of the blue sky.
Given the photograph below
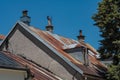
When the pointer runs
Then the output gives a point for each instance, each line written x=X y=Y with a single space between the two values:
x=68 y=16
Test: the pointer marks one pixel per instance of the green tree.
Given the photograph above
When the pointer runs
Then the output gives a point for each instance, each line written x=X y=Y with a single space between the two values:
x=113 y=72
x=107 y=19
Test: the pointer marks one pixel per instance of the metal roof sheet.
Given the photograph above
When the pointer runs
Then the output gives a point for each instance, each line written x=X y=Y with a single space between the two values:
x=61 y=43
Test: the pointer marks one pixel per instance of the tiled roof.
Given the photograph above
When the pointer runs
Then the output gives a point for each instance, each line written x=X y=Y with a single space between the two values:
x=38 y=72
x=60 y=43
x=2 y=37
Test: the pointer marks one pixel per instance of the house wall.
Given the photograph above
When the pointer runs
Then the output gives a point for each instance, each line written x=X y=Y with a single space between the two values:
x=6 y=74
x=23 y=45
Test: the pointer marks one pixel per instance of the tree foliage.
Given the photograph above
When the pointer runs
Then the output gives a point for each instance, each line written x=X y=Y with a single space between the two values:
x=113 y=72
x=107 y=19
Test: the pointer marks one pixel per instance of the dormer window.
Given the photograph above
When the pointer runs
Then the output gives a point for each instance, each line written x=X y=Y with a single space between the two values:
x=76 y=53
x=80 y=54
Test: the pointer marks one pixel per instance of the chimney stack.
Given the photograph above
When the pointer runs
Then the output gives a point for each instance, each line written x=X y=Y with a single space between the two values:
x=85 y=56
x=49 y=27
x=25 y=18
x=81 y=37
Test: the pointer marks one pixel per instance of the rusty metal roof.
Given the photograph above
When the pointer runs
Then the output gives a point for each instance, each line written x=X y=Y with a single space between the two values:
x=60 y=43
x=38 y=72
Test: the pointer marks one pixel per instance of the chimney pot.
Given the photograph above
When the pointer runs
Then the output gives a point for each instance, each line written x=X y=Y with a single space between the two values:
x=25 y=13
x=80 y=32
x=25 y=18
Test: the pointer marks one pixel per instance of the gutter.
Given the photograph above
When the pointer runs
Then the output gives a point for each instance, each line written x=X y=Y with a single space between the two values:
x=93 y=76
x=27 y=71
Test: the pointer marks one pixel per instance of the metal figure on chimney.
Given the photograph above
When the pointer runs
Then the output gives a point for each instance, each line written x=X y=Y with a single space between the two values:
x=49 y=27
x=49 y=20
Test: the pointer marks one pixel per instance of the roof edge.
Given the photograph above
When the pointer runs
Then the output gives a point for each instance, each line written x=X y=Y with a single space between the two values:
x=98 y=77
x=14 y=26
x=13 y=68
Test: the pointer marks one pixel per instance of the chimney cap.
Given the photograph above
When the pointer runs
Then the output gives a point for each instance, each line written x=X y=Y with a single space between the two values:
x=24 y=11
x=80 y=31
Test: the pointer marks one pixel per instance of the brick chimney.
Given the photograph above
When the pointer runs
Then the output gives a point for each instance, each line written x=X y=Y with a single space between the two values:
x=49 y=27
x=81 y=37
x=25 y=18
